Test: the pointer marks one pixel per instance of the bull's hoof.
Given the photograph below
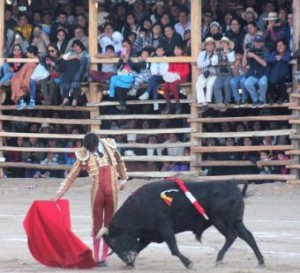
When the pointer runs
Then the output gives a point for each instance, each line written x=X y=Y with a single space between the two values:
x=218 y=263
x=130 y=265
x=190 y=265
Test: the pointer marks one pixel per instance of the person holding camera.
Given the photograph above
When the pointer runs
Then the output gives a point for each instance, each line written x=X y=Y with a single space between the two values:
x=256 y=58
x=226 y=58
x=206 y=62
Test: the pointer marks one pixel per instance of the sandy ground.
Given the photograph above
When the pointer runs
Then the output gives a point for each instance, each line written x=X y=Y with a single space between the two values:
x=272 y=214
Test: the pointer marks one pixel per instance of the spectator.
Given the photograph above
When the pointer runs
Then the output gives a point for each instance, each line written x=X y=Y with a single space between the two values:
x=78 y=35
x=139 y=11
x=252 y=156
x=21 y=82
x=183 y=24
x=61 y=41
x=271 y=34
x=9 y=26
x=182 y=71
x=18 y=39
x=143 y=71
x=73 y=68
x=215 y=31
x=16 y=156
x=289 y=33
x=236 y=34
x=282 y=169
x=121 y=83
x=173 y=151
x=8 y=70
x=158 y=10
x=256 y=58
x=131 y=25
x=264 y=158
x=165 y=20
x=157 y=72
x=206 y=62
x=279 y=72
x=249 y=16
x=155 y=38
x=251 y=33
x=110 y=37
x=268 y=7
x=50 y=85
x=46 y=23
x=23 y=26
x=226 y=57
x=40 y=40
x=171 y=40
x=205 y=26
x=61 y=23
x=82 y=22
x=239 y=76
x=51 y=159
x=226 y=25
x=120 y=15
x=107 y=70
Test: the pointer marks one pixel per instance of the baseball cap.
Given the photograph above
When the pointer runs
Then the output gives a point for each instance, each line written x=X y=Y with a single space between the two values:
x=259 y=39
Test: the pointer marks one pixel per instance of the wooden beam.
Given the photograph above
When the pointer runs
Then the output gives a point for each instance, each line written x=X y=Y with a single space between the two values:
x=284 y=132
x=249 y=106
x=144 y=131
x=293 y=152
x=294 y=121
x=240 y=163
x=241 y=119
x=28 y=135
x=226 y=149
x=142 y=158
x=150 y=116
x=294 y=166
x=250 y=177
x=136 y=102
x=50 y=107
x=163 y=174
x=49 y=120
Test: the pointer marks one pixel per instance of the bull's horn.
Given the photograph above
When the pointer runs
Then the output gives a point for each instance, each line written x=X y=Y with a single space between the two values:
x=101 y=232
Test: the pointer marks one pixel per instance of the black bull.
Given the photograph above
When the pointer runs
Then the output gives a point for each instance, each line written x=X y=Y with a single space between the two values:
x=145 y=217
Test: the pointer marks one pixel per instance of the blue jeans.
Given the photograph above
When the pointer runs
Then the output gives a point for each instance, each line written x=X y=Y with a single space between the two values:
x=32 y=90
x=222 y=82
x=235 y=83
x=257 y=94
x=153 y=84
x=7 y=75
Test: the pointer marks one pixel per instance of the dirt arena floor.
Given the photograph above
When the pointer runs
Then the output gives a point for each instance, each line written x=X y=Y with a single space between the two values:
x=272 y=214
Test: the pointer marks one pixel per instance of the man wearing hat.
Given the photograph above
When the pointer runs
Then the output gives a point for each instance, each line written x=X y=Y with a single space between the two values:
x=256 y=59
x=271 y=33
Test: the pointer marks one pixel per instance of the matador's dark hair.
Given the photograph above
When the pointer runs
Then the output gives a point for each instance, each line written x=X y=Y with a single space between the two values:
x=91 y=141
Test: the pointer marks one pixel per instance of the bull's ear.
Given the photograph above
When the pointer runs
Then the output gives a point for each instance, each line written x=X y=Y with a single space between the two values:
x=101 y=232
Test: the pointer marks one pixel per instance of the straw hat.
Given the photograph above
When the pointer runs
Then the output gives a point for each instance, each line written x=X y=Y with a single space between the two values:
x=272 y=16
x=45 y=125
x=249 y=10
x=228 y=41
x=209 y=40
x=158 y=3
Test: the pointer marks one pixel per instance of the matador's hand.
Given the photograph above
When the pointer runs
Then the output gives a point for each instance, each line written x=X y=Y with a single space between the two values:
x=122 y=184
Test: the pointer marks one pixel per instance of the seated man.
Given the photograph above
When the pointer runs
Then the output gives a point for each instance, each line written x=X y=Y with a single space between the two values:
x=255 y=57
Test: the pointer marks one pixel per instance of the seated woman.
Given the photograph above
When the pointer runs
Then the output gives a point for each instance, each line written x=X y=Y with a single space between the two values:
x=73 y=68
x=50 y=85
x=183 y=72
x=8 y=70
x=18 y=39
x=122 y=82
x=21 y=82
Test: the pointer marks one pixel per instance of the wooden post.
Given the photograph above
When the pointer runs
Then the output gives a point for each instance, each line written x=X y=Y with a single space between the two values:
x=93 y=50
x=2 y=5
x=296 y=22
x=196 y=45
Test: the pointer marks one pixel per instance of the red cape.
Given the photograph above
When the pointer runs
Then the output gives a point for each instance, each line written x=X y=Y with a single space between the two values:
x=50 y=239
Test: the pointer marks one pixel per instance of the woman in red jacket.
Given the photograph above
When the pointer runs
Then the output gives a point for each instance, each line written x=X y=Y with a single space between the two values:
x=177 y=73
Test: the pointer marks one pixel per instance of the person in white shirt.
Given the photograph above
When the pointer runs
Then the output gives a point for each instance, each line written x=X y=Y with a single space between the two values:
x=183 y=24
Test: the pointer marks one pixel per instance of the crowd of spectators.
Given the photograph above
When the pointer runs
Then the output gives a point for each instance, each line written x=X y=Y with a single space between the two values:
x=245 y=55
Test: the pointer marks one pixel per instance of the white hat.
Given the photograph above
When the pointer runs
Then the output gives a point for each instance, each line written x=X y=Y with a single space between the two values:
x=102 y=18
x=131 y=137
x=209 y=40
x=272 y=16
x=45 y=125
x=225 y=39
x=214 y=23
x=249 y=10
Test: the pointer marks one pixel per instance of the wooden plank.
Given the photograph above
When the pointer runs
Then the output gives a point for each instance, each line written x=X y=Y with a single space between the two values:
x=150 y=116
x=28 y=135
x=241 y=119
x=293 y=152
x=226 y=149
x=293 y=166
x=163 y=174
x=297 y=96
x=136 y=102
x=284 y=132
x=49 y=120
x=251 y=177
x=143 y=131
x=240 y=163
x=294 y=121
x=156 y=145
x=295 y=136
x=293 y=182
x=249 y=106
x=50 y=107
x=142 y=158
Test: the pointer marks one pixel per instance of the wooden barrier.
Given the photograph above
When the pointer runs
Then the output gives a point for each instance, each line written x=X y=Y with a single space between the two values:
x=226 y=149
